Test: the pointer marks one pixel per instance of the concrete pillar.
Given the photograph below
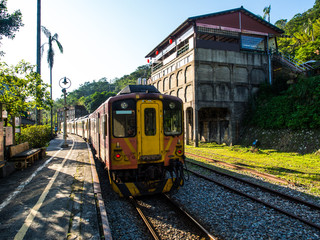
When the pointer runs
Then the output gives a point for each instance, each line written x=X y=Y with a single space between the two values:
x=195 y=126
x=186 y=126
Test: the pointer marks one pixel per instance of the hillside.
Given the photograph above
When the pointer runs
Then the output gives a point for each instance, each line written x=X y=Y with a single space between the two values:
x=93 y=94
x=301 y=39
x=285 y=117
x=294 y=107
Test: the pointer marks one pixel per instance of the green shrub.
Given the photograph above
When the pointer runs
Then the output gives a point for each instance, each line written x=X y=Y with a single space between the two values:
x=37 y=135
x=298 y=107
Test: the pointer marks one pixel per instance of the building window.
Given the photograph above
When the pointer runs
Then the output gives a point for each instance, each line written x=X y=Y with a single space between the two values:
x=218 y=31
x=252 y=43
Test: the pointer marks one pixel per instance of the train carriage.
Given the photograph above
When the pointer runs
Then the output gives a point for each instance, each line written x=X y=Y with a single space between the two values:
x=138 y=134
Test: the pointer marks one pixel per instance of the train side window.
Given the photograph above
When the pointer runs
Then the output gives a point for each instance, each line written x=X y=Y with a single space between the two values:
x=150 y=122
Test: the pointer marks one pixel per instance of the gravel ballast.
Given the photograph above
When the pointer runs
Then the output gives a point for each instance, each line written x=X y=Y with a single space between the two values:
x=231 y=216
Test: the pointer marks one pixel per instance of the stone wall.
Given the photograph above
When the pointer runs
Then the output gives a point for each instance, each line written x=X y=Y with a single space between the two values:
x=215 y=86
x=225 y=81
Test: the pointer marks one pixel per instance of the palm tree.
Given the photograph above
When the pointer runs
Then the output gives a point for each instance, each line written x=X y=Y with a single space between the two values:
x=50 y=57
x=308 y=28
x=266 y=12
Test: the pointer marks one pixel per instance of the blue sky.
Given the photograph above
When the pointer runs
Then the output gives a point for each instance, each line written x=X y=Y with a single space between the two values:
x=108 y=38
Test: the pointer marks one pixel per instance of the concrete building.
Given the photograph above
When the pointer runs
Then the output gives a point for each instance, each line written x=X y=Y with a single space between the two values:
x=215 y=64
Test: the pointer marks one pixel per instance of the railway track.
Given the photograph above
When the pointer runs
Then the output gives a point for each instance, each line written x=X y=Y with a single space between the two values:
x=125 y=223
x=294 y=207
x=183 y=225
x=240 y=168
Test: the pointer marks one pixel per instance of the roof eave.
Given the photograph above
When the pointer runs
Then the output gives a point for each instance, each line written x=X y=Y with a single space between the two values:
x=193 y=19
x=184 y=24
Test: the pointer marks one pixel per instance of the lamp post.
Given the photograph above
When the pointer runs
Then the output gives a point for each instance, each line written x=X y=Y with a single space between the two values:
x=65 y=83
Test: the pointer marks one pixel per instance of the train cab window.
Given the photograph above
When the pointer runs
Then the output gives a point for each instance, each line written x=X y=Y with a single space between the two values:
x=124 y=118
x=172 y=117
x=150 y=122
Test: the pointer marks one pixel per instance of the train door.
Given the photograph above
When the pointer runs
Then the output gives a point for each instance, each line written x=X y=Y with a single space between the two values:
x=105 y=137
x=150 y=146
x=98 y=135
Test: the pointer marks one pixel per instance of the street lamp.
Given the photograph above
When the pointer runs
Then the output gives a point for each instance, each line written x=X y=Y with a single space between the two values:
x=65 y=83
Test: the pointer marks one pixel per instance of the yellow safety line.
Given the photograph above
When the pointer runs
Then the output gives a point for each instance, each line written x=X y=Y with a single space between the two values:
x=27 y=223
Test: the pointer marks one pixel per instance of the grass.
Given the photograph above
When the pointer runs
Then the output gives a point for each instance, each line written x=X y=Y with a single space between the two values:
x=302 y=170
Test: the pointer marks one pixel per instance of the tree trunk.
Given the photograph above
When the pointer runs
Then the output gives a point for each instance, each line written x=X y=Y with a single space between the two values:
x=51 y=113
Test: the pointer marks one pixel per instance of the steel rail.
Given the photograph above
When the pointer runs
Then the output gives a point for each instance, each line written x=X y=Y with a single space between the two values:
x=188 y=216
x=265 y=175
x=284 y=195
x=144 y=218
x=255 y=199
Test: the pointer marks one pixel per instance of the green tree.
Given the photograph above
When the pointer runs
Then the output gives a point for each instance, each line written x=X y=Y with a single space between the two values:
x=304 y=32
x=50 y=58
x=92 y=94
x=141 y=72
x=309 y=29
x=9 y=23
x=281 y=23
x=22 y=89
x=95 y=100
x=298 y=107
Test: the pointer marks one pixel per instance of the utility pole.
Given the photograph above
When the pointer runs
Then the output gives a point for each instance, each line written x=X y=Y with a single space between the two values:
x=269 y=61
x=38 y=51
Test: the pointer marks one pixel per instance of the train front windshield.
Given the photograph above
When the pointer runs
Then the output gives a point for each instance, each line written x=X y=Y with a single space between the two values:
x=124 y=118
x=172 y=117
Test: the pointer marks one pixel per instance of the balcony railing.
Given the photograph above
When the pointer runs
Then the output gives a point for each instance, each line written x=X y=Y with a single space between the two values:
x=157 y=66
x=183 y=49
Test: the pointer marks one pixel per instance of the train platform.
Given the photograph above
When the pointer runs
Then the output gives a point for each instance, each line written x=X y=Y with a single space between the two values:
x=56 y=198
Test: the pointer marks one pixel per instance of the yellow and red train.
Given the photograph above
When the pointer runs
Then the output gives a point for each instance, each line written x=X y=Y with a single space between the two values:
x=138 y=135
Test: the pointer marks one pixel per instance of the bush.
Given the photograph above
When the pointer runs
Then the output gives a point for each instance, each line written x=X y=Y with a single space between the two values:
x=37 y=135
x=296 y=108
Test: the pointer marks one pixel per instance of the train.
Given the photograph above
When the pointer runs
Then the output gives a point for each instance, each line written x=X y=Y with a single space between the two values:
x=138 y=135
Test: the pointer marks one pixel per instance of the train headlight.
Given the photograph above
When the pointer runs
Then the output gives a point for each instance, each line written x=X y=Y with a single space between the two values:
x=124 y=105
x=172 y=105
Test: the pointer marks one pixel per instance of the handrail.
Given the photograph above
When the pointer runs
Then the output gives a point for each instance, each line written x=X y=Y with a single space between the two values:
x=295 y=62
